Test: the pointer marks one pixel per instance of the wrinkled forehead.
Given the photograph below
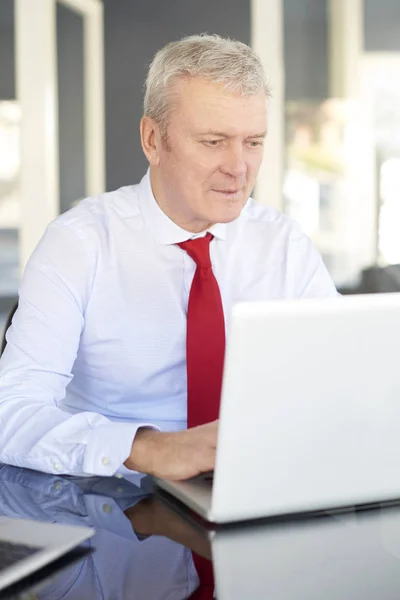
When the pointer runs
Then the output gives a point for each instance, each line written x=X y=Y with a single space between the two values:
x=201 y=104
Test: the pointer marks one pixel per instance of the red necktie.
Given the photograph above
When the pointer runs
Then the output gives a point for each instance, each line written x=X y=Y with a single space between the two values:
x=205 y=339
x=205 y=348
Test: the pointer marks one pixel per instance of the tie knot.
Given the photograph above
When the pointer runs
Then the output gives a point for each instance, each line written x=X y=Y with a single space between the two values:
x=199 y=250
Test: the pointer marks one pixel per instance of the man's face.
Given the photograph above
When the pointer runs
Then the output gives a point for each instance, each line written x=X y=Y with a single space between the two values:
x=214 y=150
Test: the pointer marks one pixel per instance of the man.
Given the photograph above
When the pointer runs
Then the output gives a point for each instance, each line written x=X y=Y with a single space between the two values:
x=94 y=376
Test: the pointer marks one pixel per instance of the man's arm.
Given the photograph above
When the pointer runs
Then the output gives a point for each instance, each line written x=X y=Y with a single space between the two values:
x=310 y=277
x=36 y=367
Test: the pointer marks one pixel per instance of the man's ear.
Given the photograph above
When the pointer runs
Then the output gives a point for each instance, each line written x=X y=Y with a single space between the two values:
x=151 y=140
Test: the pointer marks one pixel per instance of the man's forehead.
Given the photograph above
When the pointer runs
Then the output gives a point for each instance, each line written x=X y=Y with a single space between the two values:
x=202 y=107
x=198 y=89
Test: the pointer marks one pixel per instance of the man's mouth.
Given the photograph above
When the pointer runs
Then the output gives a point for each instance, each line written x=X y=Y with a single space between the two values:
x=228 y=192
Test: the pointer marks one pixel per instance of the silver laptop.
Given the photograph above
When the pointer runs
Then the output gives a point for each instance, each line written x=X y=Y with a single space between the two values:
x=26 y=546
x=310 y=410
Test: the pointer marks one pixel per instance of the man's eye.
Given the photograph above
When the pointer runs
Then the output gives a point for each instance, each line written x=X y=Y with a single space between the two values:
x=211 y=142
x=255 y=144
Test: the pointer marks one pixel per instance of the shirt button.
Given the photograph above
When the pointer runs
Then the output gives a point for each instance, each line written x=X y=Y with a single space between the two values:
x=119 y=476
x=120 y=489
x=106 y=508
x=57 y=466
x=57 y=485
x=105 y=460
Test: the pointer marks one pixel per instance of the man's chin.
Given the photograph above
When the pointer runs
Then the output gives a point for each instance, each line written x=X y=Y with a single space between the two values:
x=232 y=212
x=228 y=216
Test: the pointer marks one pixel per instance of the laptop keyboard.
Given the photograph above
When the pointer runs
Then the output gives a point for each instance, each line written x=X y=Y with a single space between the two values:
x=11 y=553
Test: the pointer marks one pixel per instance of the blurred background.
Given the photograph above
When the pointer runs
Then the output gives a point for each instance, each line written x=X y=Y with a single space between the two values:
x=71 y=88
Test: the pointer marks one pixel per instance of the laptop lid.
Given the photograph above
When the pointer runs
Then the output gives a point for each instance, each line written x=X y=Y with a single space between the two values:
x=310 y=412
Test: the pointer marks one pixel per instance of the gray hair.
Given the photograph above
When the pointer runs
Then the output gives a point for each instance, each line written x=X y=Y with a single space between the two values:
x=212 y=57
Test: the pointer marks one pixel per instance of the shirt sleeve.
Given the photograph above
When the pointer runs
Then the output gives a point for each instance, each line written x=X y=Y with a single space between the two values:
x=35 y=369
x=310 y=277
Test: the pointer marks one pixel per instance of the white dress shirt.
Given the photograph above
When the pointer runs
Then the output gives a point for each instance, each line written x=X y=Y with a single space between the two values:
x=97 y=347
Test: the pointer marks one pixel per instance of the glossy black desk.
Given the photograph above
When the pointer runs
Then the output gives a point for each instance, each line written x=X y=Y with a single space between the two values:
x=143 y=548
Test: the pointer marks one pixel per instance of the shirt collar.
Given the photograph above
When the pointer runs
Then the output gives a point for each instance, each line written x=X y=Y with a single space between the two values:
x=164 y=230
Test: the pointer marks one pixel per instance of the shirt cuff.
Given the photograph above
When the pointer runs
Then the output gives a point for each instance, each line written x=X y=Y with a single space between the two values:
x=109 y=446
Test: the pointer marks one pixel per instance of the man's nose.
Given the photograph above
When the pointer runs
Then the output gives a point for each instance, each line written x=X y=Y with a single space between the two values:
x=234 y=163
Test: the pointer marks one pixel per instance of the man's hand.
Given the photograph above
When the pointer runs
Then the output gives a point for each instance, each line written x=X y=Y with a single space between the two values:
x=174 y=456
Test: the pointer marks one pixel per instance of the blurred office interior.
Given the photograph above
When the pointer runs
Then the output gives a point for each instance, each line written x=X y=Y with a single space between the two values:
x=71 y=87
